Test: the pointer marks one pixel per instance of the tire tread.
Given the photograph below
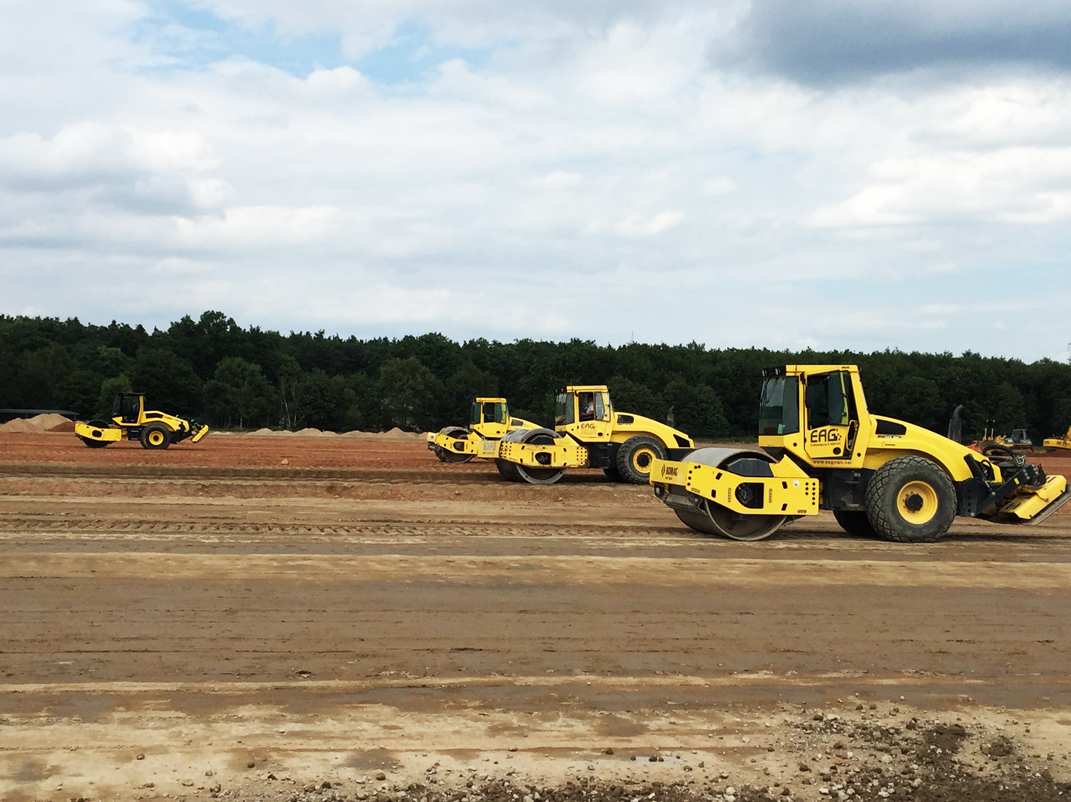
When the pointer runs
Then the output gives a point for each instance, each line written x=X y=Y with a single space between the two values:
x=882 y=517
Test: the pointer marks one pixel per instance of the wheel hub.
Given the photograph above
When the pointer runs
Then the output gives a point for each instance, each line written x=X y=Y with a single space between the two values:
x=917 y=502
x=914 y=502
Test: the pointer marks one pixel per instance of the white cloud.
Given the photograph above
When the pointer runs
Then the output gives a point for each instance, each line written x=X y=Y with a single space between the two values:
x=89 y=151
x=575 y=151
x=719 y=186
x=1029 y=186
x=640 y=226
x=557 y=180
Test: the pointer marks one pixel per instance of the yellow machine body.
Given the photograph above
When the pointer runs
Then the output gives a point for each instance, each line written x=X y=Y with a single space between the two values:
x=588 y=433
x=999 y=445
x=131 y=421
x=820 y=448
x=489 y=419
x=1059 y=442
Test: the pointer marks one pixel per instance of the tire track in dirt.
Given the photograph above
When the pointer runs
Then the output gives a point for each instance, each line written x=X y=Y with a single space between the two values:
x=587 y=571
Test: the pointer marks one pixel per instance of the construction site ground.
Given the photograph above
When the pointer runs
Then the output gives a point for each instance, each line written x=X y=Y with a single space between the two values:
x=346 y=618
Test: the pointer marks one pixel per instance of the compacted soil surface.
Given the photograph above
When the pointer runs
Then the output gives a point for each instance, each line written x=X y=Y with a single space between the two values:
x=346 y=618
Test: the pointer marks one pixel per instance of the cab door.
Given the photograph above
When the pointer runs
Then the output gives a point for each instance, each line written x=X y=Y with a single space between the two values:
x=492 y=420
x=831 y=423
x=593 y=415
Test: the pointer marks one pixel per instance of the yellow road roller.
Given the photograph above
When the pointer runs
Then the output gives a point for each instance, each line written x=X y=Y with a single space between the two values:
x=820 y=448
x=587 y=433
x=131 y=421
x=489 y=419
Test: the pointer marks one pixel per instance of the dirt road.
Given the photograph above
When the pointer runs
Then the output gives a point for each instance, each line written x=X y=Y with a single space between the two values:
x=250 y=616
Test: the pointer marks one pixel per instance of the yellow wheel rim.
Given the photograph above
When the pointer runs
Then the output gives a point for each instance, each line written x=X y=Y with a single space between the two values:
x=156 y=438
x=917 y=503
x=641 y=459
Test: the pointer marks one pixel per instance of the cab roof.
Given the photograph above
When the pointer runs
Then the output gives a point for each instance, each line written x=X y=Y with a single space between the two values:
x=587 y=388
x=795 y=370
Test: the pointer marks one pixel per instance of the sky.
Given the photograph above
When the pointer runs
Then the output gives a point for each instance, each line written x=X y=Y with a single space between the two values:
x=836 y=174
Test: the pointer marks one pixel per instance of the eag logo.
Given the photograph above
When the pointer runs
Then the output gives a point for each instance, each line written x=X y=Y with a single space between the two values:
x=587 y=425
x=821 y=436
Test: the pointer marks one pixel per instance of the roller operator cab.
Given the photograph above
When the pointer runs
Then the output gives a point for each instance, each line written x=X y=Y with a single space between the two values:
x=820 y=448
x=588 y=433
x=131 y=421
x=489 y=419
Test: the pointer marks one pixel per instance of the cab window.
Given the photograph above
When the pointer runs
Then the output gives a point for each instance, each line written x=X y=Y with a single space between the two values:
x=600 y=407
x=778 y=406
x=563 y=410
x=127 y=407
x=827 y=401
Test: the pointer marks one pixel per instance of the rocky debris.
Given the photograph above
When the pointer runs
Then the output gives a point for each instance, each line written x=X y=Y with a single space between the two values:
x=829 y=758
x=925 y=761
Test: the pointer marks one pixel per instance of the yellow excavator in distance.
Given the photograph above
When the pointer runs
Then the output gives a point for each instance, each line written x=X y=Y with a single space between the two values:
x=820 y=448
x=130 y=420
x=587 y=433
x=489 y=419
x=1059 y=442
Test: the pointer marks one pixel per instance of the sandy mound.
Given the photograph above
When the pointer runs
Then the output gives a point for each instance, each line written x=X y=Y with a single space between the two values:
x=49 y=422
x=398 y=434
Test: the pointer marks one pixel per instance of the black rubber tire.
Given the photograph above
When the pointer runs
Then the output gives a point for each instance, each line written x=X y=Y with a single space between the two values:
x=155 y=437
x=855 y=523
x=612 y=474
x=902 y=482
x=634 y=458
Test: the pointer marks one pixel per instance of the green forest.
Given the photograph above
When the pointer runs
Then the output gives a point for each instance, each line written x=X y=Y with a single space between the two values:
x=227 y=376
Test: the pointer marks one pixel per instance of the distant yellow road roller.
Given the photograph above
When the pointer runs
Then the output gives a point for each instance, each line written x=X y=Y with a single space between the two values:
x=131 y=421
x=587 y=433
x=489 y=419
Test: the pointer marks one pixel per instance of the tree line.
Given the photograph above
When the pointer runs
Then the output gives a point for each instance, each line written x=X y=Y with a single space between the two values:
x=214 y=370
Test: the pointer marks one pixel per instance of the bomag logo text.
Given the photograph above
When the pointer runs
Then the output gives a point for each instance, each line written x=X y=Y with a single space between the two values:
x=824 y=436
x=668 y=472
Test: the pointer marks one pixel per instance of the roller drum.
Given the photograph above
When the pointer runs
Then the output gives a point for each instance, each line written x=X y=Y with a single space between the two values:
x=711 y=518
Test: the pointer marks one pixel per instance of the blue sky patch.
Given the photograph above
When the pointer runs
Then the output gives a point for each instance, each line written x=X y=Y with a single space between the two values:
x=192 y=38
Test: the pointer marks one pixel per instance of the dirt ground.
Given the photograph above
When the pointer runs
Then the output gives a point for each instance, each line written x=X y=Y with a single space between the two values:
x=325 y=618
